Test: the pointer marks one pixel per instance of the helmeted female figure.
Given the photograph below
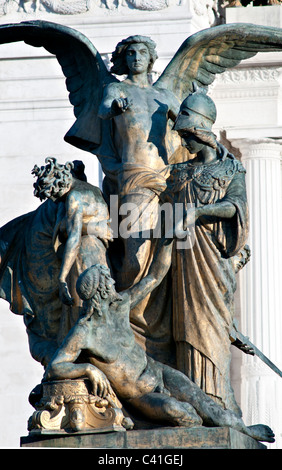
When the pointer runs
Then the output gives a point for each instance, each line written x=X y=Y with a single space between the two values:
x=211 y=186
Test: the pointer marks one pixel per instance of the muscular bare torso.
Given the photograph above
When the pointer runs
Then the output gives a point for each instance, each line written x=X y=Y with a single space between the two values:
x=140 y=130
x=112 y=349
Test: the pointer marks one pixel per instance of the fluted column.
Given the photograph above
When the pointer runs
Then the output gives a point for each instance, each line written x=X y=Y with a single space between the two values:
x=261 y=286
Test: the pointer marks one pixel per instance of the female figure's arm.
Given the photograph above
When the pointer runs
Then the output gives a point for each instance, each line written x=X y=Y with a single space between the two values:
x=225 y=208
x=222 y=210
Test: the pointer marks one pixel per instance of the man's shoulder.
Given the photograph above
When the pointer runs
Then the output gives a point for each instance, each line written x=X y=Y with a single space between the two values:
x=122 y=301
x=125 y=297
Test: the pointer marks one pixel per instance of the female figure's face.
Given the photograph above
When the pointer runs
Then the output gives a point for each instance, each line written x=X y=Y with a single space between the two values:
x=191 y=142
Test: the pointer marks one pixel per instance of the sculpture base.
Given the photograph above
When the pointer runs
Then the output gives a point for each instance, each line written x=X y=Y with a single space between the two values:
x=158 y=438
x=67 y=406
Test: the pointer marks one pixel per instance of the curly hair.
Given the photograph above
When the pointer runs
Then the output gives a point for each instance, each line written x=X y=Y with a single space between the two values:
x=52 y=178
x=118 y=56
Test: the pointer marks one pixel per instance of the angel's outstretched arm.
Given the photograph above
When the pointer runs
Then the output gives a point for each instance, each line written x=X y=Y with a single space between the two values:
x=112 y=103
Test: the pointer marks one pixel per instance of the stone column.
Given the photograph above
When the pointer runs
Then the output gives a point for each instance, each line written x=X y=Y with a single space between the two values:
x=261 y=286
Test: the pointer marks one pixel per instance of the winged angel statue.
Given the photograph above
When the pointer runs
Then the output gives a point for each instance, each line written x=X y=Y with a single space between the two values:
x=130 y=125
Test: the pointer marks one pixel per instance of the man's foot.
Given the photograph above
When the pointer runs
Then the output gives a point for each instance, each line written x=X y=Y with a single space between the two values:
x=261 y=432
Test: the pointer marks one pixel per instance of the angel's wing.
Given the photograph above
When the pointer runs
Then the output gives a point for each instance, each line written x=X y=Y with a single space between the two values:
x=84 y=69
x=212 y=51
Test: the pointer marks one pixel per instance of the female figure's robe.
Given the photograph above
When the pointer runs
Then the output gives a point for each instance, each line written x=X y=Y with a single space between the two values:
x=203 y=273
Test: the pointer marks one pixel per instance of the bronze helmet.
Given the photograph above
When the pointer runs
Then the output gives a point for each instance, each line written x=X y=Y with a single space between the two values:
x=197 y=111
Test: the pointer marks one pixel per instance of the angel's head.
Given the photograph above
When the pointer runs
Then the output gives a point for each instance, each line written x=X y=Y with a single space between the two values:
x=194 y=122
x=126 y=51
x=53 y=179
x=96 y=288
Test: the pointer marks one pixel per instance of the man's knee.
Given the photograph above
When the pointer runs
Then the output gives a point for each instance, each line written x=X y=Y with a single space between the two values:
x=181 y=413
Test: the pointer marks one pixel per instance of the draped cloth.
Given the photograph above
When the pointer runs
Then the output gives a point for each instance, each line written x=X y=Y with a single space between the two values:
x=140 y=190
x=30 y=261
x=203 y=275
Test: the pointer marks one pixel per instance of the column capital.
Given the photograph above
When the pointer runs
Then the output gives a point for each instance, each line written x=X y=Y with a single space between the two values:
x=264 y=148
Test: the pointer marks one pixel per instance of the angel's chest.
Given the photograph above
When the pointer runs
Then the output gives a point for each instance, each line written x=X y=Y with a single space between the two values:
x=146 y=100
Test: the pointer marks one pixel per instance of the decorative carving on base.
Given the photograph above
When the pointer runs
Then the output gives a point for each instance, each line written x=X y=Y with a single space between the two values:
x=68 y=406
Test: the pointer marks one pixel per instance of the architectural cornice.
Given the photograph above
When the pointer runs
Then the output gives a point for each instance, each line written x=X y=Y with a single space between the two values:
x=113 y=8
x=240 y=83
x=250 y=75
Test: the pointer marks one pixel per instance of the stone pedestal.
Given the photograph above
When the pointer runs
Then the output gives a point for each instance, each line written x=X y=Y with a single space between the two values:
x=158 y=438
x=67 y=415
x=68 y=406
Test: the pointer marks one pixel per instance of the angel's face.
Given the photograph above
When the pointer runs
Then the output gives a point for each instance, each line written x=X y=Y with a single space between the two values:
x=138 y=58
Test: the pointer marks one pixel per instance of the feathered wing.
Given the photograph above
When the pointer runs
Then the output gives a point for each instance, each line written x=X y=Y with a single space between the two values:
x=214 y=50
x=85 y=72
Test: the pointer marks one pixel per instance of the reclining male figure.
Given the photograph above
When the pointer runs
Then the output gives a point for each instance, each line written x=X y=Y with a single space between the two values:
x=116 y=362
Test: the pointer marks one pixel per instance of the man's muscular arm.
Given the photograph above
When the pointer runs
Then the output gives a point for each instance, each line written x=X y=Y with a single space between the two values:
x=159 y=268
x=74 y=221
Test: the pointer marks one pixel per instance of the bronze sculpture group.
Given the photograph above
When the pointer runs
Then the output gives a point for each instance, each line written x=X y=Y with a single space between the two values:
x=146 y=318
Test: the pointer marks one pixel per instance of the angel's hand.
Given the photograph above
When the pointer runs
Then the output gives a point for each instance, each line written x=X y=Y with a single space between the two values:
x=110 y=233
x=64 y=294
x=121 y=104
